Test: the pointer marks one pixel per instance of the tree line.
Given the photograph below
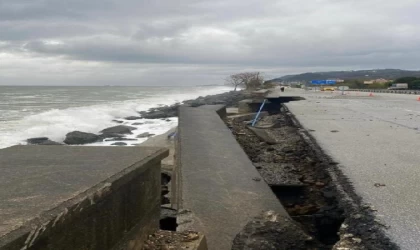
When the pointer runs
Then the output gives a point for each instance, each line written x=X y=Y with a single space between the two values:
x=413 y=83
x=247 y=80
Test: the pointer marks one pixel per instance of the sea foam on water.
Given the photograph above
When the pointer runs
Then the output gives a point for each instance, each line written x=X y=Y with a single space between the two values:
x=56 y=123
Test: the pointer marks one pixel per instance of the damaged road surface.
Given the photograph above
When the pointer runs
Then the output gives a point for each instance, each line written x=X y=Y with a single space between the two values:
x=310 y=187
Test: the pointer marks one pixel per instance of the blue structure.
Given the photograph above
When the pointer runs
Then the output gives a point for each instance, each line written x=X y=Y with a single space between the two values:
x=258 y=114
x=323 y=82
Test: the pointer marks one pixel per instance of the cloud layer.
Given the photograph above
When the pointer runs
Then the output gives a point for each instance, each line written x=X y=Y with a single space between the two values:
x=166 y=42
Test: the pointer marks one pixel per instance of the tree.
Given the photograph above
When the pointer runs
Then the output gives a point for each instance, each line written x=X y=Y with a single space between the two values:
x=406 y=79
x=234 y=80
x=251 y=80
x=414 y=84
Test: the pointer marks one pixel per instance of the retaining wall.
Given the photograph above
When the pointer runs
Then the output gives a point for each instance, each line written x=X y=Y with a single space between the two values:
x=219 y=189
x=71 y=198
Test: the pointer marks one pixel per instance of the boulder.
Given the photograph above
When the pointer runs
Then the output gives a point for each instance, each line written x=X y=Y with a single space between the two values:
x=120 y=139
x=120 y=129
x=274 y=231
x=49 y=143
x=145 y=135
x=154 y=115
x=117 y=121
x=137 y=123
x=119 y=144
x=133 y=118
x=161 y=112
x=42 y=141
x=197 y=103
x=110 y=135
x=78 y=138
x=36 y=140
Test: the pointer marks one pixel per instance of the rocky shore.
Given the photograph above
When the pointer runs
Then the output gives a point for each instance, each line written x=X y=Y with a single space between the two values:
x=118 y=134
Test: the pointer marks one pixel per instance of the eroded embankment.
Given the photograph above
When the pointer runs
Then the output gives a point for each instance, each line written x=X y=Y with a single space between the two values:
x=309 y=184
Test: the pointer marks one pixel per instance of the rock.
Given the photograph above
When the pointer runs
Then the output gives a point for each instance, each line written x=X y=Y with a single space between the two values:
x=119 y=144
x=120 y=139
x=133 y=118
x=120 y=129
x=137 y=123
x=78 y=138
x=50 y=143
x=329 y=194
x=167 y=213
x=117 y=121
x=145 y=135
x=197 y=103
x=229 y=99
x=110 y=135
x=357 y=216
x=273 y=231
x=155 y=115
x=36 y=140
x=357 y=240
x=42 y=141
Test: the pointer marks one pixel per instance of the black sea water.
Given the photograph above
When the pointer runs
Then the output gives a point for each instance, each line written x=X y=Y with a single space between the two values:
x=36 y=111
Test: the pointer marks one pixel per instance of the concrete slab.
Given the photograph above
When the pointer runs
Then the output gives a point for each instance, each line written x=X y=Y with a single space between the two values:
x=37 y=179
x=221 y=188
x=232 y=111
x=248 y=116
x=376 y=141
x=219 y=109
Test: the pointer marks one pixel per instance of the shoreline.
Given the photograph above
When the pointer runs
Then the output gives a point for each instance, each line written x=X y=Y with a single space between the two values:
x=135 y=130
x=55 y=112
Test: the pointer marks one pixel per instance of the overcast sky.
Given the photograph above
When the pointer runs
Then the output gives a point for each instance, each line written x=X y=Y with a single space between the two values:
x=190 y=42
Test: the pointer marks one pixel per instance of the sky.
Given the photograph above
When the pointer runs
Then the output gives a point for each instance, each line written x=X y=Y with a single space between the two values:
x=195 y=42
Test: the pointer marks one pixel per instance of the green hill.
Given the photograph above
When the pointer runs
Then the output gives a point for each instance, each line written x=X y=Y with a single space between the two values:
x=390 y=74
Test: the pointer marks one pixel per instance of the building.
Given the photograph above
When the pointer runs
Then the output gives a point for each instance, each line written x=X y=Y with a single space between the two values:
x=380 y=80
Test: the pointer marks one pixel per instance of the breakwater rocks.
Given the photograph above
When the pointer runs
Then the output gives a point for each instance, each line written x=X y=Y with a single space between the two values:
x=119 y=133
x=229 y=99
x=42 y=141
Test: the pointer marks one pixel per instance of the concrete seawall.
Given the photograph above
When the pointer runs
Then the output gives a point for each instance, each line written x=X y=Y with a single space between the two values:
x=69 y=198
x=219 y=189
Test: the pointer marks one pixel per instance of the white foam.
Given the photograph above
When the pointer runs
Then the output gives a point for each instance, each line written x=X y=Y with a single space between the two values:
x=56 y=123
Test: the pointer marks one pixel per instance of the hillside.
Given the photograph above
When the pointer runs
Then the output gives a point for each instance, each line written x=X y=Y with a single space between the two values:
x=346 y=75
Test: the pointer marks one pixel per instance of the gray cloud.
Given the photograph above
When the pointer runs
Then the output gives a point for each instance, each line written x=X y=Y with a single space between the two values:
x=197 y=41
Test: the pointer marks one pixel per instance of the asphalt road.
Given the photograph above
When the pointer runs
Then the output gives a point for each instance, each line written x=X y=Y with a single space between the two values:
x=375 y=140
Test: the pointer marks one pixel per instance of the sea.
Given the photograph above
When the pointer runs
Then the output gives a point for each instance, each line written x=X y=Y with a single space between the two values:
x=35 y=111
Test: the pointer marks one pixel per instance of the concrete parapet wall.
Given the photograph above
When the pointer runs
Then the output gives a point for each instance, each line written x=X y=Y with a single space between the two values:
x=220 y=189
x=219 y=109
x=80 y=198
